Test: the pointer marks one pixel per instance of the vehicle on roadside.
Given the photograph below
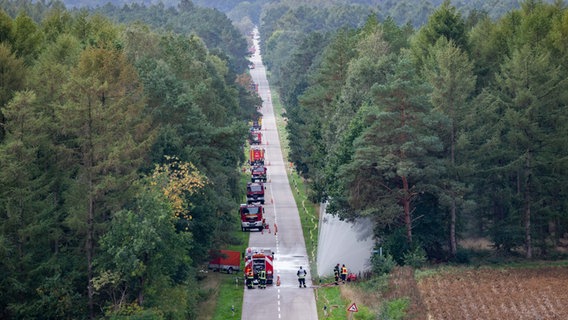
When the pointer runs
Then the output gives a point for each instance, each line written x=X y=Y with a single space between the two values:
x=252 y=217
x=256 y=156
x=257 y=259
x=225 y=260
x=255 y=137
x=258 y=174
x=255 y=192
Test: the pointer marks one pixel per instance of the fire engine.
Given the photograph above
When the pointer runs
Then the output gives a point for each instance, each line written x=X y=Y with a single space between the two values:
x=258 y=174
x=256 y=156
x=251 y=217
x=257 y=259
x=256 y=124
x=255 y=192
x=255 y=137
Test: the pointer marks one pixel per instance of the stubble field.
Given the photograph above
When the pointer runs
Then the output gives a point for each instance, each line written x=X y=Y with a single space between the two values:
x=498 y=294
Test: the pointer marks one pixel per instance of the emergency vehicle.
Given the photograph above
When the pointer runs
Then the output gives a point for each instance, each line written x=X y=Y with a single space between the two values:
x=255 y=192
x=255 y=137
x=256 y=156
x=252 y=217
x=257 y=259
x=258 y=174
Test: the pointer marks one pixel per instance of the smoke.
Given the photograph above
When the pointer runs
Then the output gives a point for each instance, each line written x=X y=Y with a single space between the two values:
x=344 y=243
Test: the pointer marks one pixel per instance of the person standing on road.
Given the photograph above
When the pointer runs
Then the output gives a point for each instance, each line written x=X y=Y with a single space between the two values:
x=343 y=273
x=250 y=279
x=302 y=277
x=262 y=279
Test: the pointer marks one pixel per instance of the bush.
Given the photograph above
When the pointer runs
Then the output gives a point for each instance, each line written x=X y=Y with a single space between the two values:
x=134 y=312
x=415 y=258
x=394 y=309
x=382 y=264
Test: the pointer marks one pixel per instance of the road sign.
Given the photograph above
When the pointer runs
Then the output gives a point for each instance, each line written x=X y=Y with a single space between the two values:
x=353 y=308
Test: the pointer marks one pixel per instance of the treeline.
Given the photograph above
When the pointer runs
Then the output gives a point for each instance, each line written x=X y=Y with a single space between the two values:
x=454 y=130
x=119 y=153
x=285 y=24
x=212 y=26
x=245 y=14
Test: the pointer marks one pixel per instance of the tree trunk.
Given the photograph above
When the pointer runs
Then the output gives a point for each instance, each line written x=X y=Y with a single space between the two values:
x=527 y=215
x=453 y=213
x=141 y=291
x=89 y=249
x=406 y=205
x=90 y=245
x=453 y=241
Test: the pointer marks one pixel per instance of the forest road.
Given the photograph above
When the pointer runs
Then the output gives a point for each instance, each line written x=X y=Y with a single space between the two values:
x=287 y=301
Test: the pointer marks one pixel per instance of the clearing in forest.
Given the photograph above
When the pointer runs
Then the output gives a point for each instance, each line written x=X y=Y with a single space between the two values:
x=485 y=293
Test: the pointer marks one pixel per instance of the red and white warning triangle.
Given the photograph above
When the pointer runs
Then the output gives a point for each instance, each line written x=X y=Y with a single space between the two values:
x=353 y=308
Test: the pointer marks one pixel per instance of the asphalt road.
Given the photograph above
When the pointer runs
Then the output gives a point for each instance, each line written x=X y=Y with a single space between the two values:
x=286 y=301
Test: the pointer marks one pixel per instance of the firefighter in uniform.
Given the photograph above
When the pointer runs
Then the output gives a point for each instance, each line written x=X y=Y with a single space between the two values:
x=343 y=273
x=262 y=279
x=336 y=274
x=250 y=279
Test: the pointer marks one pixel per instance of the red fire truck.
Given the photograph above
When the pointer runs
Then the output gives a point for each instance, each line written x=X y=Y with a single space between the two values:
x=256 y=156
x=255 y=192
x=255 y=137
x=252 y=216
x=257 y=259
x=258 y=174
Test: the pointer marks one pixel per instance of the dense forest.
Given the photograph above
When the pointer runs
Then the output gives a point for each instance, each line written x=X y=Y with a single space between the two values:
x=121 y=132
x=453 y=130
x=120 y=145
x=243 y=13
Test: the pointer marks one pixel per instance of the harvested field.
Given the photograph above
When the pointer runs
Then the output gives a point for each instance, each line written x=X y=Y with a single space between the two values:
x=497 y=294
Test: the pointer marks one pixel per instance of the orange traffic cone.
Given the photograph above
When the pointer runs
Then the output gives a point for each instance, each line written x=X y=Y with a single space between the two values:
x=278 y=280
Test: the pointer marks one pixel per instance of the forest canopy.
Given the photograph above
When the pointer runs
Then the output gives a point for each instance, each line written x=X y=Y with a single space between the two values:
x=120 y=148
x=122 y=130
x=453 y=130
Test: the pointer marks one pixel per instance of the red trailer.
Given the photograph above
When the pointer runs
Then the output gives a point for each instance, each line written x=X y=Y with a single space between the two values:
x=225 y=260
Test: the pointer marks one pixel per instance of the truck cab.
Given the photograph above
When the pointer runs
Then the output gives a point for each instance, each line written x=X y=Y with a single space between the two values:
x=256 y=156
x=258 y=174
x=255 y=137
x=255 y=192
x=252 y=216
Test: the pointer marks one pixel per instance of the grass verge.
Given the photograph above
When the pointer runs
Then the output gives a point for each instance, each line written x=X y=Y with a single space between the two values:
x=224 y=292
x=230 y=297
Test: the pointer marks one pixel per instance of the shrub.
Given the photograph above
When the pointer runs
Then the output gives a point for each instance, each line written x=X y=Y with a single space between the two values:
x=415 y=258
x=394 y=309
x=382 y=264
